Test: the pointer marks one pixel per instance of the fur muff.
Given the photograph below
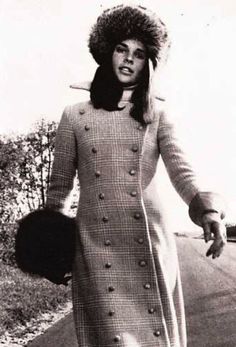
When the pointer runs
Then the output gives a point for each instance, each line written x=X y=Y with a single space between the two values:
x=127 y=22
x=45 y=245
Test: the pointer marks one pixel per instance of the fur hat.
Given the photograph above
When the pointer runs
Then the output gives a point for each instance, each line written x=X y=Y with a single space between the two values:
x=45 y=245
x=127 y=22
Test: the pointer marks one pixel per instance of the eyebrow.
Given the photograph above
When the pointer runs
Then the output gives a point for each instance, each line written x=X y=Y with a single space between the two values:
x=126 y=46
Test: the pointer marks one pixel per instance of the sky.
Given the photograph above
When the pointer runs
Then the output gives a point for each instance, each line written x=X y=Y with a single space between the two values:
x=43 y=49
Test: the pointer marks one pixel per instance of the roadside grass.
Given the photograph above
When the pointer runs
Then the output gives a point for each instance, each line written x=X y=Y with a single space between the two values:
x=23 y=298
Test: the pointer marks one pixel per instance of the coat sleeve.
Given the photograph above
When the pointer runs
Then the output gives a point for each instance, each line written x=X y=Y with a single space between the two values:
x=179 y=169
x=183 y=176
x=64 y=164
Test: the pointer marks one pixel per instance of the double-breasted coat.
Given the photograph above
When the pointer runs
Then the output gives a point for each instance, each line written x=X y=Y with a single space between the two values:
x=126 y=283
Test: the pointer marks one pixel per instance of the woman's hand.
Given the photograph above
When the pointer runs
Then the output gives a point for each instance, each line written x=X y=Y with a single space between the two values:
x=214 y=229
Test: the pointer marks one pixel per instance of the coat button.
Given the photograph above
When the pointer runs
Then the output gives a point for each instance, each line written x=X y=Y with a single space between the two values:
x=142 y=263
x=132 y=172
x=94 y=150
x=111 y=289
x=105 y=219
x=157 y=333
x=87 y=127
x=133 y=193
x=137 y=215
x=101 y=196
x=117 y=338
x=134 y=148
x=81 y=111
x=140 y=240
x=107 y=265
x=151 y=310
x=147 y=286
x=107 y=243
x=111 y=313
x=97 y=173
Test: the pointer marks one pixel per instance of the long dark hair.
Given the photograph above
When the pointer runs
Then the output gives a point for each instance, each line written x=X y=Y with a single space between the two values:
x=106 y=91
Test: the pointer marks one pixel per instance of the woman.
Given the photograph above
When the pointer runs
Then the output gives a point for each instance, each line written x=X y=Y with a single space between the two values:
x=126 y=283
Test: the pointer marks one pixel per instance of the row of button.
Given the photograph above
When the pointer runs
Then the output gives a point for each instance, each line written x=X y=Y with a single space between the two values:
x=132 y=172
x=108 y=242
x=87 y=127
x=156 y=333
x=145 y=286
x=142 y=263
x=133 y=193
x=137 y=216
x=150 y=310
x=134 y=149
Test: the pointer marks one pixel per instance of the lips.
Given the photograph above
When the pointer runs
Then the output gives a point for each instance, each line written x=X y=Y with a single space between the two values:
x=126 y=70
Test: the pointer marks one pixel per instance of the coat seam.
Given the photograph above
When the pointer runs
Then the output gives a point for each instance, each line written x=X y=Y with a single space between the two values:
x=148 y=235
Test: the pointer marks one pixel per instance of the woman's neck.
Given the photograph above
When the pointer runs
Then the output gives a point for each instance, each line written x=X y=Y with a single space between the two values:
x=127 y=93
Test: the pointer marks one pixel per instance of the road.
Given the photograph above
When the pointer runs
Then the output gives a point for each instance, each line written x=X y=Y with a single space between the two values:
x=210 y=300
x=210 y=294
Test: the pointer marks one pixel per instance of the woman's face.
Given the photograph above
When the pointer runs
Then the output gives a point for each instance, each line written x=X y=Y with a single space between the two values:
x=128 y=60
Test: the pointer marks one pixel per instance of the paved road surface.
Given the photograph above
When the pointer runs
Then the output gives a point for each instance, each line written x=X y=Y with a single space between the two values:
x=210 y=300
x=210 y=294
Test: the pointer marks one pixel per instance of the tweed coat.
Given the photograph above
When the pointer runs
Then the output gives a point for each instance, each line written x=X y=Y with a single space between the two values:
x=126 y=283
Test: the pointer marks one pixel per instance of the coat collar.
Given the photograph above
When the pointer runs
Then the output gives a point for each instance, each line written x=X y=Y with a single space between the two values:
x=86 y=85
x=82 y=85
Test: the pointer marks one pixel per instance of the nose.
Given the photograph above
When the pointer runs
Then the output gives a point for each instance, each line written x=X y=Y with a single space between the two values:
x=129 y=58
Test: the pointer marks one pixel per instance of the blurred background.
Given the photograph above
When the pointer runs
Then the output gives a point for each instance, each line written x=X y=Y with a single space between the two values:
x=43 y=47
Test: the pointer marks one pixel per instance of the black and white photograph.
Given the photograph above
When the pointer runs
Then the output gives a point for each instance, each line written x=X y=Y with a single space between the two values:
x=117 y=173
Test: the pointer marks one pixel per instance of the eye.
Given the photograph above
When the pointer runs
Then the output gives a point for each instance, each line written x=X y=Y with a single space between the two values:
x=140 y=55
x=120 y=49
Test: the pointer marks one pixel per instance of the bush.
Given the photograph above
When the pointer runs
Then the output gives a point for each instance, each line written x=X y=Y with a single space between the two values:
x=7 y=243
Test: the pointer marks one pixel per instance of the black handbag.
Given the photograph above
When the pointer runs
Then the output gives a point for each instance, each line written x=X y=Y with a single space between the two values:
x=45 y=245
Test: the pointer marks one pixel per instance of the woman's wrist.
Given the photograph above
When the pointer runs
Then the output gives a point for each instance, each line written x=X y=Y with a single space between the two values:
x=204 y=203
x=210 y=216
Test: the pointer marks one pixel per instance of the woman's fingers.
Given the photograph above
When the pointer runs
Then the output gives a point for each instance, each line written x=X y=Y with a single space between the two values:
x=214 y=229
x=219 y=231
x=207 y=231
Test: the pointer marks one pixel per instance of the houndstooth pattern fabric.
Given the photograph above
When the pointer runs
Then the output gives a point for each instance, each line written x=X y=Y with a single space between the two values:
x=126 y=284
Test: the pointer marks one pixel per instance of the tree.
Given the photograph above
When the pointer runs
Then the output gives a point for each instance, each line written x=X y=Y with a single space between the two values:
x=35 y=169
x=11 y=156
x=25 y=167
